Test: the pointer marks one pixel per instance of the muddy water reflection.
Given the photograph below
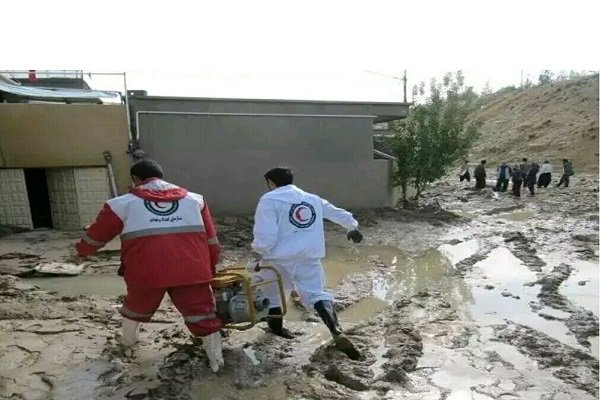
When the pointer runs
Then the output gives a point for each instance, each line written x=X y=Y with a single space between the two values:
x=87 y=285
x=507 y=274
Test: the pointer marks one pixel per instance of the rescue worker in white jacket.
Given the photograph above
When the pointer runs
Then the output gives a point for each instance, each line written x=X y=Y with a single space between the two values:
x=289 y=236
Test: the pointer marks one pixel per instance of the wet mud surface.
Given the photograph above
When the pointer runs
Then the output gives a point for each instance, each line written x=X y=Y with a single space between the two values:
x=475 y=295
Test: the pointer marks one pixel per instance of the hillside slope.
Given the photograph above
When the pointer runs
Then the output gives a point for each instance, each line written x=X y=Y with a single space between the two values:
x=547 y=122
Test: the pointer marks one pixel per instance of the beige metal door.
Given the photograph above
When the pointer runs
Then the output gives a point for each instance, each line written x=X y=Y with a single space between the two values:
x=92 y=191
x=14 y=203
x=63 y=198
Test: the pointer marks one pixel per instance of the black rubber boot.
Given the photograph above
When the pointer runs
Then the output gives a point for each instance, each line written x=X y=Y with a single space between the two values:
x=276 y=324
x=327 y=313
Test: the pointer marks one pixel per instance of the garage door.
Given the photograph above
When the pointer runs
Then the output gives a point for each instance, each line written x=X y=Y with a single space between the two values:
x=14 y=204
x=63 y=198
x=92 y=192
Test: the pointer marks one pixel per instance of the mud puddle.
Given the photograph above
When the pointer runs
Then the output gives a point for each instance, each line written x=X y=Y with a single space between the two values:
x=519 y=216
x=582 y=286
x=504 y=296
x=87 y=285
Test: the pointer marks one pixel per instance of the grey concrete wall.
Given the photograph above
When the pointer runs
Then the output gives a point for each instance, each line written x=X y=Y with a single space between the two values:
x=225 y=157
x=385 y=111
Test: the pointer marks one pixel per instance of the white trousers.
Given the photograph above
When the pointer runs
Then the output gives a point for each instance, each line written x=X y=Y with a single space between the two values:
x=305 y=276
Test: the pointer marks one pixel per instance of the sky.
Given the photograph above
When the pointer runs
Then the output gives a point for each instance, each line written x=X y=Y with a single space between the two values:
x=318 y=50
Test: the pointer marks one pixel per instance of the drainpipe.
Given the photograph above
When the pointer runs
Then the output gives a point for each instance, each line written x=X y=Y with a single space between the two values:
x=111 y=175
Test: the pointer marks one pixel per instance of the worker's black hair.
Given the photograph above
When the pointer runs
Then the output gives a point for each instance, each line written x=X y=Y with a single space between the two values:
x=145 y=169
x=483 y=161
x=565 y=160
x=524 y=159
x=280 y=176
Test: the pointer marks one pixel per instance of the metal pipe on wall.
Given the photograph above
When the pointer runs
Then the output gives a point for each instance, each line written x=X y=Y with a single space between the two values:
x=111 y=176
x=137 y=116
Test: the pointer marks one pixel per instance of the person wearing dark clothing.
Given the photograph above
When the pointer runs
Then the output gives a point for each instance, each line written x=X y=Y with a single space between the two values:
x=465 y=175
x=567 y=173
x=504 y=174
x=480 y=175
x=545 y=175
x=517 y=180
x=531 y=177
x=523 y=168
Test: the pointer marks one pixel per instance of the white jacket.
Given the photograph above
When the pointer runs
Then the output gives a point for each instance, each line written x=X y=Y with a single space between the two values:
x=546 y=169
x=288 y=224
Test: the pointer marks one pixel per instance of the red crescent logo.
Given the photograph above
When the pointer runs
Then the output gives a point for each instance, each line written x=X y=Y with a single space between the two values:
x=157 y=204
x=298 y=214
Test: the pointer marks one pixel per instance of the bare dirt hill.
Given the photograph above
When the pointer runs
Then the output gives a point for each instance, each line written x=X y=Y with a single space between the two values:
x=548 y=122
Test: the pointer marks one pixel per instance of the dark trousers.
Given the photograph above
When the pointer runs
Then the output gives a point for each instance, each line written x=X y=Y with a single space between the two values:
x=524 y=180
x=516 y=188
x=564 y=179
x=466 y=176
x=479 y=182
x=531 y=186
x=544 y=180
x=501 y=185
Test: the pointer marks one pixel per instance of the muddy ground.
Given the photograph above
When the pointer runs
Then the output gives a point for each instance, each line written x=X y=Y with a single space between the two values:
x=474 y=296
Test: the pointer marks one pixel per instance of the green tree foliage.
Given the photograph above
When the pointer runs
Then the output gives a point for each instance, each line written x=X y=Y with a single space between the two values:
x=436 y=134
x=545 y=77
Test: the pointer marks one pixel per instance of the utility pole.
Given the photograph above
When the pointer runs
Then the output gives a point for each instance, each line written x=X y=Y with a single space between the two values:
x=521 y=79
x=404 y=79
x=393 y=77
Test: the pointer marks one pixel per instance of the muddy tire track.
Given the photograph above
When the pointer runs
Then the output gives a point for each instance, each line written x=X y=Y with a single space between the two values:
x=583 y=323
x=568 y=364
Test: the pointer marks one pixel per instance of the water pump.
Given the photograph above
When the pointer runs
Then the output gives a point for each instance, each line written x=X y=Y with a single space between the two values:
x=239 y=299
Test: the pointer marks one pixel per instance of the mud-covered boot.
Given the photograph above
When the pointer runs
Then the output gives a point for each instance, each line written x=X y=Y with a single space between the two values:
x=276 y=324
x=129 y=333
x=327 y=313
x=214 y=350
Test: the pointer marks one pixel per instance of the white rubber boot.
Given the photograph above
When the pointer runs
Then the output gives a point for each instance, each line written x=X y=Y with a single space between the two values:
x=129 y=334
x=214 y=351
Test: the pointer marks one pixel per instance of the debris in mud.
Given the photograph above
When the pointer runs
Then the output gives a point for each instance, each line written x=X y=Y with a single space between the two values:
x=582 y=283
x=489 y=287
x=18 y=264
x=570 y=365
x=59 y=269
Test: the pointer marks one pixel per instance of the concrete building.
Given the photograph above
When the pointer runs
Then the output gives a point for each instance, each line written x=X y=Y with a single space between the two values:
x=222 y=147
x=53 y=172
x=52 y=168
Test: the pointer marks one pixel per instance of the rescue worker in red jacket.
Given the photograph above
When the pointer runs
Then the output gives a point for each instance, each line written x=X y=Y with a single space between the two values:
x=168 y=245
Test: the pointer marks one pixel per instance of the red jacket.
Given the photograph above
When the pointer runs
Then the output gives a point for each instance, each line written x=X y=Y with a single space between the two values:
x=167 y=235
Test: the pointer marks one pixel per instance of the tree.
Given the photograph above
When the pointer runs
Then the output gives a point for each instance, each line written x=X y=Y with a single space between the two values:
x=545 y=77
x=435 y=135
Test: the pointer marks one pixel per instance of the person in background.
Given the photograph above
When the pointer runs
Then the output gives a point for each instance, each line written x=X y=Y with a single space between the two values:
x=480 y=175
x=524 y=167
x=504 y=173
x=517 y=181
x=465 y=175
x=289 y=236
x=532 y=177
x=545 y=175
x=168 y=245
x=567 y=173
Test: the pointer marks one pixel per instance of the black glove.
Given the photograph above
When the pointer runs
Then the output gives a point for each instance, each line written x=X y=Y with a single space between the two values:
x=355 y=236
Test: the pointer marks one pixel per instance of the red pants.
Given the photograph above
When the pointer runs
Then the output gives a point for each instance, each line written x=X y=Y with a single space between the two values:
x=195 y=303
